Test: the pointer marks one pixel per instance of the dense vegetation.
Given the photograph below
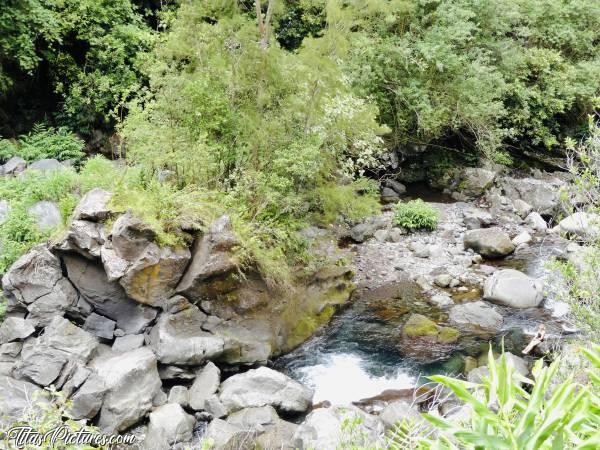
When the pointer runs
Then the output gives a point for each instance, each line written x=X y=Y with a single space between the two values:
x=281 y=119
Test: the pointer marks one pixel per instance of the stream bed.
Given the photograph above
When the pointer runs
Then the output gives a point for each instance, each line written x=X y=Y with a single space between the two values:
x=356 y=356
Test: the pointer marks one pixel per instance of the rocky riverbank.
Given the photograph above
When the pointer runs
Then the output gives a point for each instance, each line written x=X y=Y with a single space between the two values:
x=171 y=343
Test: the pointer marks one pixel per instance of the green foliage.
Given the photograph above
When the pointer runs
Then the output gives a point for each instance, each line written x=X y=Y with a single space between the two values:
x=416 y=215
x=48 y=411
x=90 y=49
x=44 y=142
x=347 y=203
x=272 y=131
x=506 y=416
x=497 y=73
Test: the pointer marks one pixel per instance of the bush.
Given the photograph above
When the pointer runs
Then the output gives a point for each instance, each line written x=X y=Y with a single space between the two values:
x=416 y=215
x=505 y=415
x=44 y=142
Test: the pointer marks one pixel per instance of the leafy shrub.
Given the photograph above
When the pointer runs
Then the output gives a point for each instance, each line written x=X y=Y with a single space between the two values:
x=44 y=142
x=416 y=215
x=505 y=415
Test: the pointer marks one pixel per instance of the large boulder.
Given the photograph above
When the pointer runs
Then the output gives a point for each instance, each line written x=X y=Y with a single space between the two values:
x=43 y=358
x=204 y=387
x=46 y=214
x=94 y=206
x=35 y=281
x=325 y=429
x=542 y=195
x=107 y=298
x=489 y=242
x=131 y=381
x=46 y=165
x=474 y=181
x=147 y=272
x=15 y=328
x=477 y=316
x=581 y=224
x=512 y=288
x=14 y=166
x=178 y=338
x=213 y=260
x=87 y=399
x=152 y=278
x=83 y=237
x=17 y=398
x=169 y=424
x=264 y=386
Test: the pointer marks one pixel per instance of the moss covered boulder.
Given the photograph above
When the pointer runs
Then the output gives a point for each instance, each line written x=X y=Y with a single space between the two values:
x=422 y=338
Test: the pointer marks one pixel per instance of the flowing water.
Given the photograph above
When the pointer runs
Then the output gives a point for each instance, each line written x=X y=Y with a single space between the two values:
x=356 y=356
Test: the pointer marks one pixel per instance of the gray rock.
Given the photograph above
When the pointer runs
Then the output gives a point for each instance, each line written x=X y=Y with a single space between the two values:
x=478 y=374
x=398 y=187
x=225 y=436
x=476 y=315
x=264 y=386
x=153 y=276
x=255 y=419
x=477 y=218
x=87 y=400
x=441 y=300
x=381 y=235
x=398 y=411
x=213 y=257
x=476 y=180
x=419 y=249
x=180 y=395
x=581 y=224
x=15 y=328
x=323 y=428
x=169 y=424
x=14 y=166
x=99 y=326
x=4 y=210
x=214 y=406
x=489 y=242
x=46 y=165
x=523 y=208
x=535 y=221
x=389 y=195
x=179 y=338
x=107 y=298
x=74 y=377
x=205 y=386
x=93 y=206
x=43 y=358
x=128 y=342
x=542 y=195
x=443 y=280
x=361 y=232
x=522 y=238
x=512 y=288
x=35 y=281
x=131 y=382
x=83 y=237
x=17 y=398
x=279 y=436
x=130 y=237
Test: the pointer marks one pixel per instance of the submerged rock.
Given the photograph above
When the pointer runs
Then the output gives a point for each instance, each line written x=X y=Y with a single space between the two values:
x=512 y=288
x=422 y=338
x=478 y=316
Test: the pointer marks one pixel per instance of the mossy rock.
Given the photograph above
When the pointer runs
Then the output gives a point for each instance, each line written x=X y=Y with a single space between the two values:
x=419 y=325
x=448 y=335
